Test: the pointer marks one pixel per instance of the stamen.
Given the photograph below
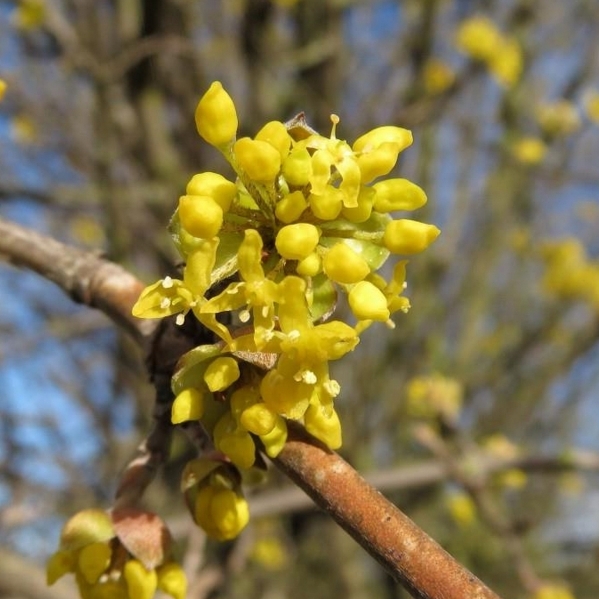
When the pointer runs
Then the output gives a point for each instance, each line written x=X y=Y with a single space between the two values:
x=335 y=120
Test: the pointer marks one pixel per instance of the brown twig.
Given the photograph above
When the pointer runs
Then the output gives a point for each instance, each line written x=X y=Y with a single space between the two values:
x=401 y=547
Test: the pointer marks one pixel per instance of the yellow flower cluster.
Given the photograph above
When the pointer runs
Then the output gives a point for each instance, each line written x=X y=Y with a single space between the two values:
x=479 y=38
x=104 y=568
x=560 y=118
x=305 y=220
x=569 y=273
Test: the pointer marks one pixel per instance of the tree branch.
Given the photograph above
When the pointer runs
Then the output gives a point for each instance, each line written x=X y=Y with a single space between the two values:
x=85 y=276
x=401 y=547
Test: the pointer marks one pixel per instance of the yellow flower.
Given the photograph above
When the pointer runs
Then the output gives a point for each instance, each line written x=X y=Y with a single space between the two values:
x=200 y=216
x=29 y=14
x=221 y=512
x=221 y=373
x=368 y=302
x=559 y=118
x=2 y=88
x=216 y=117
x=172 y=296
x=141 y=583
x=405 y=236
x=188 y=405
x=332 y=154
x=437 y=76
x=255 y=291
x=297 y=241
x=552 y=591
x=507 y=62
x=397 y=194
x=214 y=186
x=343 y=265
x=462 y=509
x=479 y=38
x=324 y=425
x=529 y=150
x=172 y=580
x=377 y=151
x=591 y=105
x=259 y=160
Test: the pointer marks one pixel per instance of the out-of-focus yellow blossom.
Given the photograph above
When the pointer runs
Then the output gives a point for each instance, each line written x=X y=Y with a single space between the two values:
x=529 y=150
x=103 y=568
x=513 y=478
x=29 y=14
x=571 y=483
x=552 y=591
x=23 y=129
x=270 y=553
x=2 y=88
x=591 y=105
x=433 y=396
x=307 y=218
x=559 y=118
x=437 y=76
x=479 y=38
x=501 y=447
x=507 y=64
x=88 y=230
x=569 y=274
x=461 y=508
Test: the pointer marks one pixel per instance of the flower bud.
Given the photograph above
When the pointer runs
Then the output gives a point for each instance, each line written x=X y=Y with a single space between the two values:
x=216 y=117
x=258 y=159
x=310 y=266
x=215 y=186
x=141 y=583
x=275 y=133
x=188 y=405
x=367 y=302
x=221 y=512
x=343 y=265
x=405 y=236
x=327 y=206
x=200 y=216
x=397 y=194
x=258 y=419
x=290 y=207
x=297 y=241
x=93 y=560
x=172 y=580
x=221 y=373
x=297 y=167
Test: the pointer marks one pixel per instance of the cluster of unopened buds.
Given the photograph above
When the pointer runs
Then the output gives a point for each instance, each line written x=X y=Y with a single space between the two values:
x=266 y=257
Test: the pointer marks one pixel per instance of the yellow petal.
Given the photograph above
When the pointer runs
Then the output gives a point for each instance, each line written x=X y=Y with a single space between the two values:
x=141 y=583
x=188 y=405
x=221 y=373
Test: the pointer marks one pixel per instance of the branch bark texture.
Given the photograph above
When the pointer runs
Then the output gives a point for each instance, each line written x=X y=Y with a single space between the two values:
x=399 y=545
